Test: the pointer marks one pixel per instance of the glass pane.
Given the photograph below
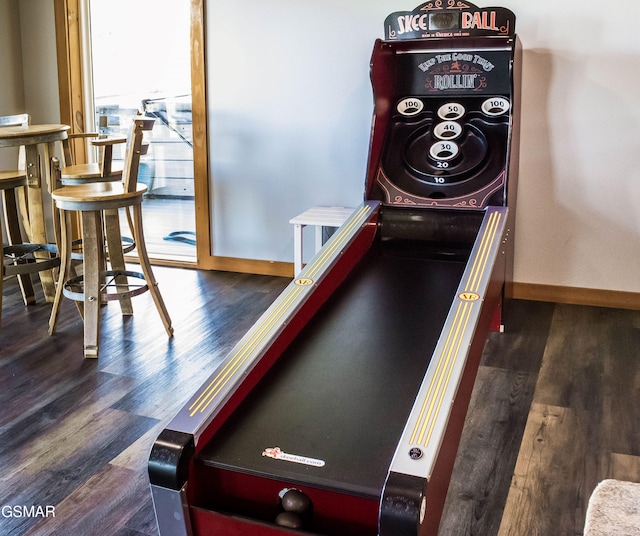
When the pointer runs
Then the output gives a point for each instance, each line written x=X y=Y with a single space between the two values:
x=141 y=63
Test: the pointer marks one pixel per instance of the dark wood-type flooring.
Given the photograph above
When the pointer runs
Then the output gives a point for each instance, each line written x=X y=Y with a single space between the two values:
x=555 y=409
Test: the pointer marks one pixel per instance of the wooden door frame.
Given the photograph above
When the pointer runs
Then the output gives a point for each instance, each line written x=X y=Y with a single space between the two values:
x=200 y=135
x=72 y=106
x=72 y=100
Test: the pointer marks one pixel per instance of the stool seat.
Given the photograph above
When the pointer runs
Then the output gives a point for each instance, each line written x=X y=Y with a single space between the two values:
x=13 y=179
x=97 y=196
x=320 y=217
x=91 y=172
x=324 y=216
x=94 y=172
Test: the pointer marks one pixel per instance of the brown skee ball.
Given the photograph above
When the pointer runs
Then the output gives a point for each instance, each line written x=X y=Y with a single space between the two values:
x=295 y=501
x=289 y=520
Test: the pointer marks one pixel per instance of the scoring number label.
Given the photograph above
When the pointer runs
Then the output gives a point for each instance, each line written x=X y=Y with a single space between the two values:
x=443 y=151
x=447 y=130
x=451 y=111
x=495 y=106
x=410 y=106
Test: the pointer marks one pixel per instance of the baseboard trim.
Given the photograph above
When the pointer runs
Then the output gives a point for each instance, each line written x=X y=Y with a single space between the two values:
x=226 y=264
x=577 y=296
x=248 y=266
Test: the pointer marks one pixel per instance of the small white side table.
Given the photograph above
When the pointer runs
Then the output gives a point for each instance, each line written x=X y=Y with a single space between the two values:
x=320 y=217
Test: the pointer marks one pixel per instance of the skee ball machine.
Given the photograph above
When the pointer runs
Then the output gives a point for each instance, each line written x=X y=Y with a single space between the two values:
x=341 y=410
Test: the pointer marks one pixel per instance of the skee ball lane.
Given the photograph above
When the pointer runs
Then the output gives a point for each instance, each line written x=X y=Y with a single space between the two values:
x=340 y=411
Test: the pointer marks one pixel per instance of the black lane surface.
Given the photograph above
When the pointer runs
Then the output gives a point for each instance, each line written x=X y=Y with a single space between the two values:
x=342 y=392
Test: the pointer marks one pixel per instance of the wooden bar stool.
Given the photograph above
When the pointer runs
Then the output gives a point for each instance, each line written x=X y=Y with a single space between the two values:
x=92 y=201
x=101 y=171
x=105 y=170
x=11 y=212
x=19 y=258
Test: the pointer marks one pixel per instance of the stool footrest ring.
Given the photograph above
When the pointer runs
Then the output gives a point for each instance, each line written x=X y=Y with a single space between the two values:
x=128 y=245
x=21 y=258
x=74 y=288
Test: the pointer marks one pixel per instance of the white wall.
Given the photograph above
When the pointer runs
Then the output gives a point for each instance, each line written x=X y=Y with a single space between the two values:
x=290 y=111
x=40 y=65
x=11 y=84
x=29 y=80
x=578 y=223
x=290 y=108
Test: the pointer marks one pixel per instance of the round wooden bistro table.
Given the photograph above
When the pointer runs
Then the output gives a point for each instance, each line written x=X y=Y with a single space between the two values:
x=37 y=140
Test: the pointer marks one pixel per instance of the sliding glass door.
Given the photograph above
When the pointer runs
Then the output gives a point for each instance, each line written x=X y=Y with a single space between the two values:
x=139 y=62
